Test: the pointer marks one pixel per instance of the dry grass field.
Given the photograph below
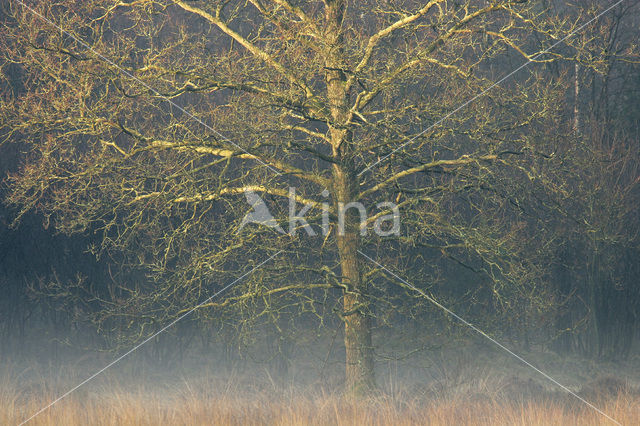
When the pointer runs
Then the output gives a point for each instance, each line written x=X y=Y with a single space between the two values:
x=208 y=402
x=121 y=408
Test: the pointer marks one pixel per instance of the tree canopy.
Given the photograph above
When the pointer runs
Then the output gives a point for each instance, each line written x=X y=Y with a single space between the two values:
x=147 y=122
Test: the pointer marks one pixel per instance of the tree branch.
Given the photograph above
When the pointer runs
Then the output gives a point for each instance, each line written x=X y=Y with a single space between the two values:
x=255 y=50
x=222 y=152
x=457 y=162
x=211 y=196
x=365 y=97
x=374 y=40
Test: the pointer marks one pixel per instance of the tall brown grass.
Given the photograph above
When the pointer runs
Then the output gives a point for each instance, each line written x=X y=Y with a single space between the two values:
x=118 y=405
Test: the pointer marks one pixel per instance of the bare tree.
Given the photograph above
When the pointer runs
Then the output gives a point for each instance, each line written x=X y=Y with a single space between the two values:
x=148 y=121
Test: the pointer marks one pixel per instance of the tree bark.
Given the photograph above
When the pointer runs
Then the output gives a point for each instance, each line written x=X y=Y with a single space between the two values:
x=576 y=100
x=359 y=377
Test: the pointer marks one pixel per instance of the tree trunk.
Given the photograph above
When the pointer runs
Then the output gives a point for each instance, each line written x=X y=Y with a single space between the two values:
x=360 y=378
x=576 y=100
x=359 y=351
